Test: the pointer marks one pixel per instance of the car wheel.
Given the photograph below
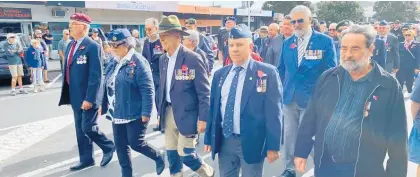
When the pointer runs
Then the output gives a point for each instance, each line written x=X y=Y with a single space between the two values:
x=26 y=80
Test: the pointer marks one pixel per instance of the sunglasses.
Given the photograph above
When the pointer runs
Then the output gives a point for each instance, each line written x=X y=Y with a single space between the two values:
x=66 y=34
x=407 y=35
x=332 y=29
x=12 y=37
x=300 y=21
x=116 y=45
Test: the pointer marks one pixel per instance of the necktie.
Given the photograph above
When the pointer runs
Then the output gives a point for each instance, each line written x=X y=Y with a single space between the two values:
x=230 y=105
x=301 y=50
x=69 y=62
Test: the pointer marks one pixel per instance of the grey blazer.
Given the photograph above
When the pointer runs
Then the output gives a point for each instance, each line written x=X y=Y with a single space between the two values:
x=275 y=46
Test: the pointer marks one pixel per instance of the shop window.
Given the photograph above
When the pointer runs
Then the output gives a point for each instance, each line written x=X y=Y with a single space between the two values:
x=10 y=28
x=118 y=26
x=56 y=30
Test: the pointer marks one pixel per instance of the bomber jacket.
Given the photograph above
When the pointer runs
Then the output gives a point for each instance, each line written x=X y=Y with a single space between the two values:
x=384 y=129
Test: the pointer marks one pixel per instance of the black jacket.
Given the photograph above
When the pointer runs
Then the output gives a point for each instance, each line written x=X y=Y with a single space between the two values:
x=383 y=130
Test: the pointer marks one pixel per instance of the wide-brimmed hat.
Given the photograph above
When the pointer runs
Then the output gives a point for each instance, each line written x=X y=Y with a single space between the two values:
x=171 y=23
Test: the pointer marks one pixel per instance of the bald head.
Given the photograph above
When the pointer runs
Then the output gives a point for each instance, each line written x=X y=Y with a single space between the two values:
x=273 y=30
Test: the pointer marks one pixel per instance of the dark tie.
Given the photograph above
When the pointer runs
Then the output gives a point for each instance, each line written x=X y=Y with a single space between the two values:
x=69 y=62
x=381 y=37
x=230 y=105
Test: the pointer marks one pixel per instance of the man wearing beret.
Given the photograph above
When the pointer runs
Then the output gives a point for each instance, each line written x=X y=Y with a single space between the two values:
x=305 y=56
x=183 y=99
x=245 y=110
x=204 y=44
x=391 y=45
x=82 y=90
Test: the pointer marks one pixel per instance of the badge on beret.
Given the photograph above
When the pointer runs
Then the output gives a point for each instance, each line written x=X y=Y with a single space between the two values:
x=114 y=38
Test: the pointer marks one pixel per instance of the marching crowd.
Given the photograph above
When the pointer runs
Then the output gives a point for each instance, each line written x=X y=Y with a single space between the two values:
x=333 y=93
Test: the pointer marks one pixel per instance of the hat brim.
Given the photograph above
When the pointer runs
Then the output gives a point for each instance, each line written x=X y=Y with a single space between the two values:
x=183 y=33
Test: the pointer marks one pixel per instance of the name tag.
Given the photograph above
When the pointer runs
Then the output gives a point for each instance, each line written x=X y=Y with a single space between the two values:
x=314 y=54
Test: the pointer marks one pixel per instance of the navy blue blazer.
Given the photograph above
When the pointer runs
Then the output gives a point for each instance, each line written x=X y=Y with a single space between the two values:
x=190 y=98
x=299 y=80
x=260 y=113
x=410 y=59
x=134 y=89
x=152 y=54
x=85 y=77
x=379 y=53
x=204 y=44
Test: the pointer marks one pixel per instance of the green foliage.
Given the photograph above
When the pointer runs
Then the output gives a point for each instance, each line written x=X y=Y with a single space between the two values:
x=284 y=7
x=335 y=11
x=404 y=11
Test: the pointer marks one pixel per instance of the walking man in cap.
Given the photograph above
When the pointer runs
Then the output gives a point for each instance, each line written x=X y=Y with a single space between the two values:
x=204 y=44
x=274 y=44
x=262 y=42
x=183 y=99
x=245 y=110
x=305 y=56
x=223 y=37
x=82 y=90
x=391 y=44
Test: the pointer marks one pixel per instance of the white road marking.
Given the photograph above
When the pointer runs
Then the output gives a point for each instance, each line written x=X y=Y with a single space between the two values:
x=29 y=95
x=309 y=173
x=27 y=135
x=56 y=167
x=54 y=80
x=18 y=126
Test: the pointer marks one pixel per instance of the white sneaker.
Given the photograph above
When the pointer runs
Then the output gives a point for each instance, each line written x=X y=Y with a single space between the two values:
x=31 y=86
x=42 y=88
x=407 y=95
x=13 y=93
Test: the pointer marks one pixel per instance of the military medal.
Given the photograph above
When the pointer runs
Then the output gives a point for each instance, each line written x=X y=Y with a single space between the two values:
x=261 y=82
x=191 y=74
x=184 y=70
x=178 y=75
x=367 y=109
x=84 y=59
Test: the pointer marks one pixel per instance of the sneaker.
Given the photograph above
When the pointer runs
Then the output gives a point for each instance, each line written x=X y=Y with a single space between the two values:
x=23 y=91
x=13 y=93
x=31 y=86
x=42 y=88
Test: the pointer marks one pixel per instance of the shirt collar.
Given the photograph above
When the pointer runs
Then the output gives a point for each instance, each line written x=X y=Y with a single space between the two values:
x=175 y=53
x=244 y=65
x=157 y=38
x=79 y=41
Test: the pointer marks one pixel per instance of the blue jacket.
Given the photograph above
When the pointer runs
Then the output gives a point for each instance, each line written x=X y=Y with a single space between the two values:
x=260 y=113
x=190 y=98
x=298 y=81
x=409 y=59
x=204 y=44
x=134 y=90
x=31 y=57
x=152 y=54
x=384 y=130
x=379 y=54
x=85 y=78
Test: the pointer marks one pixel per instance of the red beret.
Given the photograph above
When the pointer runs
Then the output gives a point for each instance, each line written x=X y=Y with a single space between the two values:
x=81 y=18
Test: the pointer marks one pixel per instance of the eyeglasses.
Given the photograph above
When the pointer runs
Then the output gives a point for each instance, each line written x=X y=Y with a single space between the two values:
x=332 y=29
x=38 y=37
x=300 y=21
x=407 y=35
x=66 y=34
x=11 y=37
x=116 y=45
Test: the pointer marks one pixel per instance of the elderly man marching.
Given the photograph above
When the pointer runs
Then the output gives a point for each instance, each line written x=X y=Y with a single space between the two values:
x=245 y=111
x=82 y=90
x=183 y=99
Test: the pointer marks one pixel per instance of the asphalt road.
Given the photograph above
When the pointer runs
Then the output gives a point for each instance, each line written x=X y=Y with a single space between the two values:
x=37 y=139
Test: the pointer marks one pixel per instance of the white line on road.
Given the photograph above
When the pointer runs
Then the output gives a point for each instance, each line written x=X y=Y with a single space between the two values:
x=67 y=162
x=27 y=135
x=28 y=95
x=54 y=80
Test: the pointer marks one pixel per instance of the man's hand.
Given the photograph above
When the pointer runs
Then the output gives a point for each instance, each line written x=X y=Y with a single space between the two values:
x=86 y=105
x=145 y=119
x=100 y=111
x=395 y=70
x=300 y=164
x=272 y=156
x=417 y=71
x=201 y=126
x=207 y=148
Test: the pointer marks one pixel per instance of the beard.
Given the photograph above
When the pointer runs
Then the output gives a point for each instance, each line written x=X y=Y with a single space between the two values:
x=352 y=65
x=299 y=32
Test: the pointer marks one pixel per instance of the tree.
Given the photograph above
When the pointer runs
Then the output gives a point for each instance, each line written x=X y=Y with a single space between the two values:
x=335 y=11
x=284 y=7
x=392 y=10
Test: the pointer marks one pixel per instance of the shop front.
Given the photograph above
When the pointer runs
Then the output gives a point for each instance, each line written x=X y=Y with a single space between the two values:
x=109 y=15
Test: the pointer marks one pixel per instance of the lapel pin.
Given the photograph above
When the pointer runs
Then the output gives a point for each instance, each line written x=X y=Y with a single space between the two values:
x=250 y=78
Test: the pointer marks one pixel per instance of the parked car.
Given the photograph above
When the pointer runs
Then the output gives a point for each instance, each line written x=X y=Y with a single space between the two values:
x=23 y=41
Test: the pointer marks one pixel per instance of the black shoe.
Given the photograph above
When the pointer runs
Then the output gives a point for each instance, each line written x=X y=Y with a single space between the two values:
x=160 y=163
x=156 y=128
x=81 y=166
x=288 y=173
x=107 y=157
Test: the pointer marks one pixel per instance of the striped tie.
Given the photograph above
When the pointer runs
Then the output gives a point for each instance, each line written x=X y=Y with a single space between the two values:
x=230 y=105
x=301 y=50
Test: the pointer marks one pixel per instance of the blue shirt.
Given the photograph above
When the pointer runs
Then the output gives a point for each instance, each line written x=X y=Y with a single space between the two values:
x=238 y=97
x=344 y=129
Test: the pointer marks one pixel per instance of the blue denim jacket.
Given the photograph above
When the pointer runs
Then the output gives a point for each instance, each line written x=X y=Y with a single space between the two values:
x=134 y=90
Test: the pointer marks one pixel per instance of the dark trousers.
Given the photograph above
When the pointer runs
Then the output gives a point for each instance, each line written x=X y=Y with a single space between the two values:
x=131 y=135
x=406 y=76
x=87 y=130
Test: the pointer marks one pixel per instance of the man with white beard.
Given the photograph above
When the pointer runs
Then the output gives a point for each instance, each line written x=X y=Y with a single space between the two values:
x=305 y=56
x=356 y=115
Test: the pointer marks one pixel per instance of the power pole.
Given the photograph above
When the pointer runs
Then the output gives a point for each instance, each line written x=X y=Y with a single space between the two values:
x=249 y=14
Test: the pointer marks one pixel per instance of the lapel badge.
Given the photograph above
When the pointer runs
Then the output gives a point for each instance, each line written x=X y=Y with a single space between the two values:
x=375 y=97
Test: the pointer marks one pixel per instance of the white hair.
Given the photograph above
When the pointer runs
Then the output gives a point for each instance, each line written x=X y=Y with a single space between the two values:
x=277 y=26
x=302 y=8
x=194 y=36
x=129 y=42
x=66 y=30
x=38 y=32
x=366 y=30
x=135 y=31
x=152 y=21
x=33 y=41
x=10 y=35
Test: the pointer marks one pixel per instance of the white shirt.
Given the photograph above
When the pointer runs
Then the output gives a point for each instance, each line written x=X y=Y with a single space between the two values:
x=238 y=97
x=79 y=41
x=170 y=72
x=111 y=84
